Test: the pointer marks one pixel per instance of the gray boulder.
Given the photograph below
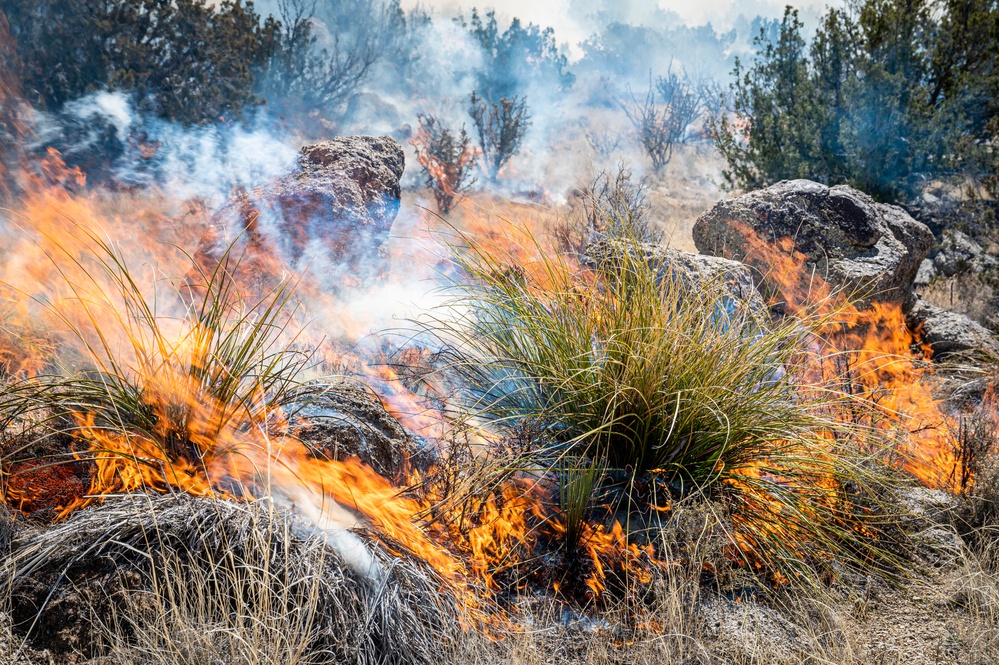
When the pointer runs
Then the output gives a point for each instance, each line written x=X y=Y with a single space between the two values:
x=696 y=271
x=959 y=253
x=949 y=332
x=338 y=418
x=341 y=201
x=868 y=248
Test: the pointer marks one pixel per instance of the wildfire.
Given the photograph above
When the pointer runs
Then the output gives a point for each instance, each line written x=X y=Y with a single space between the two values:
x=242 y=449
x=874 y=355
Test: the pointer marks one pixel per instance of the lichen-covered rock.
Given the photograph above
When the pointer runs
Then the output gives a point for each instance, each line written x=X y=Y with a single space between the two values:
x=959 y=253
x=338 y=204
x=865 y=247
x=949 y=332
x=337 y=419
x=695 y=271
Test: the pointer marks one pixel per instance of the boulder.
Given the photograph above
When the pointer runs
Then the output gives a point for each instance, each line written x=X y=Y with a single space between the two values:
x=866 y=247
x=337 y=419
x=693 y=270
x=339 y=203
x=949 y=332
x=959 y=253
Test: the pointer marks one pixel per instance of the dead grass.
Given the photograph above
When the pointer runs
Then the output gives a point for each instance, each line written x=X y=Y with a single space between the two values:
x=175 y=579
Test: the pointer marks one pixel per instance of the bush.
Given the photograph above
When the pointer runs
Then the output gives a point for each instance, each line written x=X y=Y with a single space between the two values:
x=501 y=129
x=447 y=160
x=887 y=94
x=662 y=126
x=516 y=57
x=185 y=60
x=610 y=206
x=673 y=389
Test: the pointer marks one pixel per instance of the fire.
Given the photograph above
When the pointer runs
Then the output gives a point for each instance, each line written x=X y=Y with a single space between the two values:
x=240 y=448
x=873 y=355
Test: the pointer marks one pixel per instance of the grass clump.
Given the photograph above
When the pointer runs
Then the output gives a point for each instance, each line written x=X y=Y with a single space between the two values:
x=160 y=382
x=671 y=385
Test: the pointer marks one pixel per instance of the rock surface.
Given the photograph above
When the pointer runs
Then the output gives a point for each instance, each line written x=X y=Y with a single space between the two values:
x=339 y=203
x=949 y=332
x=854 y=242
x=694 y=270
x=338 y=419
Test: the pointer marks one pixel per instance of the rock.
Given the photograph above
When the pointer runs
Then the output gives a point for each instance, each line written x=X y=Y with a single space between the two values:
x=854 y=242
x=747 y=631
x=925 y=274
x=339 y=204
x=935 y=506
x=695 y=270
x=949 y=332
x=959 y=253
x=338 y=419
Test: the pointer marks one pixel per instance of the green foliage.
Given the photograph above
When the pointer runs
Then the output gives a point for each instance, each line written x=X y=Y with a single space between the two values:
x=634 y=377
x=186 y=60
x=889 y=92
x=517 y=56
x=501 y=128
x=327 y=50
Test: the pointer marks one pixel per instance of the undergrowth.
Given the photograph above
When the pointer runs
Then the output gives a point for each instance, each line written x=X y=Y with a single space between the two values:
x=648 y=384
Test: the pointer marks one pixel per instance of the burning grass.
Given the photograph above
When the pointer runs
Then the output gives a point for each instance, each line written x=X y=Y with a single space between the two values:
x=626 y=396
x=641 y=388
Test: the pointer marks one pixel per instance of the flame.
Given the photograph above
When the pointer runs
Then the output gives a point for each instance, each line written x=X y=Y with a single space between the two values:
x=55 y=305
x=874 y=355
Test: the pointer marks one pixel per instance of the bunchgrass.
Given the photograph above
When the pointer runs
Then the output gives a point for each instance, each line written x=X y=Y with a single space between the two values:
x=668 y=381
x=182 y=371
x=170 y=579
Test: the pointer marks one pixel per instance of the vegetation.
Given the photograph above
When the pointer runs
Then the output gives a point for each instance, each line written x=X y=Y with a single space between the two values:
x=501 y=128
x=661 y=127
x=326 y=51
x=447 y=160
x=148 y=387
x=888 y=93
x=678 y=388
x=185 y=60
x=516 y=58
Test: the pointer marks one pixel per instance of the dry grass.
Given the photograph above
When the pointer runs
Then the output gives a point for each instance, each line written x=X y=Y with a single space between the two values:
x=175 y=579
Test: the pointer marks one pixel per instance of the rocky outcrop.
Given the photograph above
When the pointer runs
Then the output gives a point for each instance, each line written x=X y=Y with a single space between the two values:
x=949 y=332
x=957 y=254
x=337 y=419
x=339 y=204
x=865 y=247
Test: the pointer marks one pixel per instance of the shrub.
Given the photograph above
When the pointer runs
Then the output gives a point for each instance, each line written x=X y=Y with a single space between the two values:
x=186 y=60
x=610 y=206
x=501 y=129
x=447 y=160
x=673 y=389
x=887 y=94
x=662 y=126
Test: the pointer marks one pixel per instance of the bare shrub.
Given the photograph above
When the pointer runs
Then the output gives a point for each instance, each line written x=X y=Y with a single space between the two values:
x=662 y=124
x=612 y=205
x=501 y=129
x=447 y=159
